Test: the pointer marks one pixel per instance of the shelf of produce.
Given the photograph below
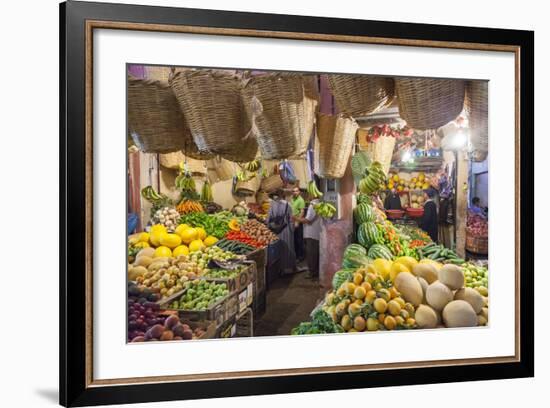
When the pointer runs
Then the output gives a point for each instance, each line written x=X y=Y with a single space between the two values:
x=238 y=282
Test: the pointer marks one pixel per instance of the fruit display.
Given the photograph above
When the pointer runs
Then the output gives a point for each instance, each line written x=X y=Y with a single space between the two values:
x=417 y=200
x=209 y=222
x=166 y=216
x=379 y=251
x=374 y=179
x=223 y=273
x=189 y=206
x=185 y=183
x=236 y=247
x=420 y=182
x=158 y=200
x=324 y=209
x=313 y=190
x=355 y=256
x=364 y=212
x=258 y=231
x=142 y=313
x=439 y=253
x=477 y=226
x=199 y=295
x=413 y=233
x=476 y=277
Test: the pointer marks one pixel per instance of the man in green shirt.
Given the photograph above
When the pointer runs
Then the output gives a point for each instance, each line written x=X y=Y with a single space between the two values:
x=298 y=207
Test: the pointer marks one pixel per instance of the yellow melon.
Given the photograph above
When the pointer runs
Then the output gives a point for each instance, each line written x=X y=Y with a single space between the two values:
x=383 y=267
x=170 y=240
x=201 y=233
x=210 y=240
x=189 y=235
x=162 y=252
x=196 y=245
x=180 y=228
x=180 y=250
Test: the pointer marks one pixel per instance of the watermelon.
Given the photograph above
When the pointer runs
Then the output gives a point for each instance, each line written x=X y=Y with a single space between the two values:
x=367 y=234
x=341 y=276
x=354 y=256
x=364 y=213
x=380 y=251
x=364 y=199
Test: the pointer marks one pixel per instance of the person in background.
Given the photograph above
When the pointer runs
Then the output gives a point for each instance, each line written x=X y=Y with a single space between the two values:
x=279 y=220
x=312 y=234
x=298 y=209
x=475 y=208
x=428 y=222
x=392 y=201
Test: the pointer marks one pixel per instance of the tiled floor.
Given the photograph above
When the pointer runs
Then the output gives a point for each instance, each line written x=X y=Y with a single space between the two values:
x=290 y=300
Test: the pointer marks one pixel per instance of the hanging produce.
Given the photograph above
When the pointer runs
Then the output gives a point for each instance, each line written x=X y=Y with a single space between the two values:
x=374 y=179
x=313 y=191
x=186 y=184
x=324 y=209
x=206 y=192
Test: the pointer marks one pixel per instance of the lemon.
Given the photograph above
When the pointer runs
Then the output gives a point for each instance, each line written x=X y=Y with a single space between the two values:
x=170 y=240
x=143 y=237
x=156 y=236
x=180 y=228
x=201 y=233
x=196 y=245
x=162 y=252
x=180 y=250
x=210 y=240
x=189 y=235
x=158 y=228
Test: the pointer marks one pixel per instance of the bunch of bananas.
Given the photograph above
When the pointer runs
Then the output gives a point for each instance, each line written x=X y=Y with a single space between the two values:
x=244 y=175
x=374 y=178
x=324 y=209
x=252 y=166
x=206 y=192
x=152 y=196
x=312 y=190
x=184 y=181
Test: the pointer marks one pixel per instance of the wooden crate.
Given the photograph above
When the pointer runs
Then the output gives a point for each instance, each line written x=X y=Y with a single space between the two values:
x=242 y=280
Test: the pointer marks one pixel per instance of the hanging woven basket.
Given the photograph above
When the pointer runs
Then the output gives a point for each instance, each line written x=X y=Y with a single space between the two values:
x=333 y=144
x=271 y=183
x=476 y=106
x=172 y=161
x=212 y=105
x=359 y=95
x=248 y=187
x=382 y=151
x=224 y=169
x=154 y=118
x=429 y=103
x=282 y=114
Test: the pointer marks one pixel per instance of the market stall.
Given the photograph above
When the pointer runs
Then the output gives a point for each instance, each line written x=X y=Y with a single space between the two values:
x=213 y=157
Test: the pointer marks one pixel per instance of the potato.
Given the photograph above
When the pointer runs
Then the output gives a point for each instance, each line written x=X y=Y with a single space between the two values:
x=425 y=317
x=452 y=276
x=438 y=295
x=143 y=260
x=472 y=297
x=409 y=287
x=426 y=271
x=146 y=252
x=136 y=272
x=459 y=313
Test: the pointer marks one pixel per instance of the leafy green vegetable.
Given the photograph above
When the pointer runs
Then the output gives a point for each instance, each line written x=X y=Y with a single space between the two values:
x=211 y=224
x=320 y=323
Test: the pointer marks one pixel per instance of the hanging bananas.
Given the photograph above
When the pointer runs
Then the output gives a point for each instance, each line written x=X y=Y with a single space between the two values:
x=373 y=179
x=206 y=192
x=324 y=209
x=312 y=190
x=252 y=166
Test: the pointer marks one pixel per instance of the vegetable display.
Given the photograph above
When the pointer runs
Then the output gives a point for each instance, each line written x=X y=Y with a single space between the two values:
x=258 y=231
x=236 y=247
x=212 y=225
x=439 y=253
x=320 y=323
x=243 y=237
x=166 y=216
x=477 y=226
x=189 y=206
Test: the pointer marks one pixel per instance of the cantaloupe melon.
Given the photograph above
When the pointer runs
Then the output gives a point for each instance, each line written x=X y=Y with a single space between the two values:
x=471 y=296
x=409 y=287
x=459 y=313
x=426 y=271
x=438 y=295
x=452 y=276
x=425 y=317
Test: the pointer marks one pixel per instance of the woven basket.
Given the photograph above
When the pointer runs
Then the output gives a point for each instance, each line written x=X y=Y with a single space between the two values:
x=172 y=161
x=382 y=151
x=476 y=106
x=212 y=105
x=261 y=196
x=333 y=144
x=359 y=95
x=248 y=187
x=281 y=114
x=429 y=103
x=271 y=183
x=301 y=171
x=477 y=245
x=224 y=168
x=154 y=117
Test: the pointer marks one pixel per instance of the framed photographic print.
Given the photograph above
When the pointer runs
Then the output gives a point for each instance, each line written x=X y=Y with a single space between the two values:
x=255 y=203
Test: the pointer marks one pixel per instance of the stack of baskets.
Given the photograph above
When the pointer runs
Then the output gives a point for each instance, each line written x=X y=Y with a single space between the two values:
x=429 y=103
x=215 y=114
x=333 y=144
x=154 y=117
x=282 y=109
x=359 y=95
x=476 y=105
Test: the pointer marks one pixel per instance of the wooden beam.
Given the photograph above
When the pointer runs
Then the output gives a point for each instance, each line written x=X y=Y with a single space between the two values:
x=461 y=202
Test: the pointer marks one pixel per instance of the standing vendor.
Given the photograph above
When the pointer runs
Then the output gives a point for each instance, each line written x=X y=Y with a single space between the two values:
x=428 y=222
x=312 y=234
x=392 y=201
x=298 y=209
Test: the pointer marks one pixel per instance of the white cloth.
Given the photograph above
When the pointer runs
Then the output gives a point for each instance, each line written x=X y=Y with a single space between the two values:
x=312 y=230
